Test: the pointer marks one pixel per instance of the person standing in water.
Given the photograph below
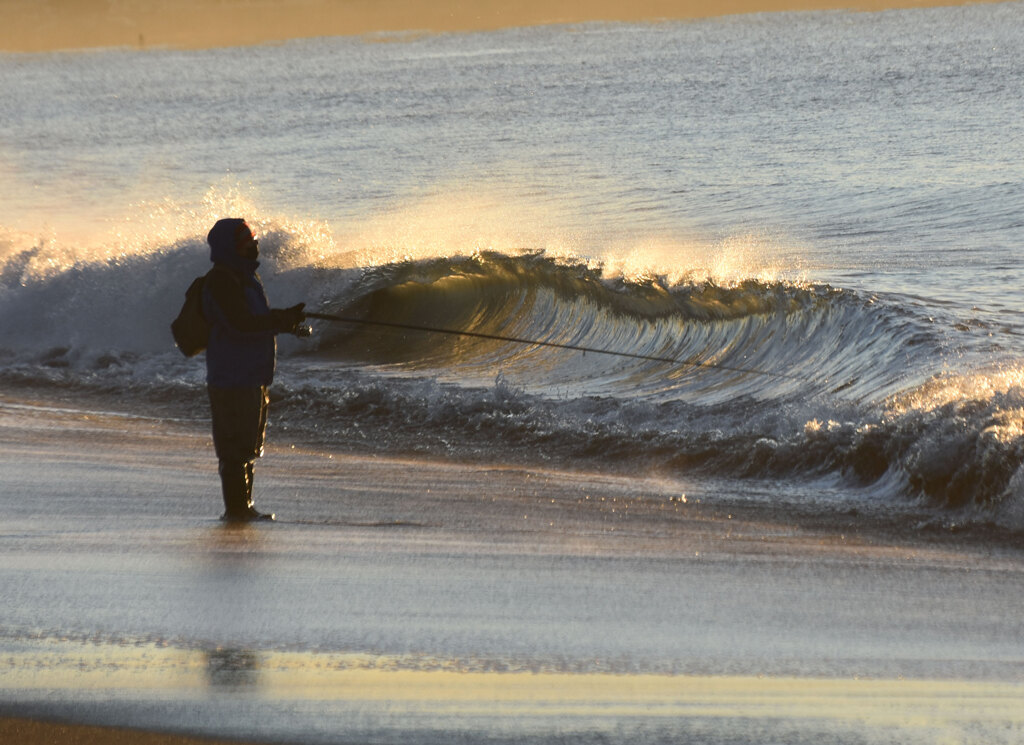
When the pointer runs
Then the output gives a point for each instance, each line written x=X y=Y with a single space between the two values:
x=240 y=360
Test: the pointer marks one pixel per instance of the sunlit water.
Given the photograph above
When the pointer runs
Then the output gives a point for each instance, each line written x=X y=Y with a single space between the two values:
x=818 y=216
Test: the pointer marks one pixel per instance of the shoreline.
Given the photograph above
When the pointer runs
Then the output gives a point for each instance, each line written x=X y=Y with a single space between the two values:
x=69 y=25
x=175 y=425
x=37 y=410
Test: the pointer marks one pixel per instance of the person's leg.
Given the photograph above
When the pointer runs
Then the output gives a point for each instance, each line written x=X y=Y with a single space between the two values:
x=263 y=402
x=239 y=423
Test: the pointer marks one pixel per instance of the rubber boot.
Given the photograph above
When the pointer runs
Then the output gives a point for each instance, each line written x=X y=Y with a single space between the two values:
x=235 y=490
x=253 y=514
x=236 y=485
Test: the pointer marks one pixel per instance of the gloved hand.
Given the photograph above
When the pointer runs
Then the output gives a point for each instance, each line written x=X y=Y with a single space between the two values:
x=286 y=320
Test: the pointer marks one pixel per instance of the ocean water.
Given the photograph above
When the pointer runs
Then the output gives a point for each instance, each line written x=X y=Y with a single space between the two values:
x=815 y=219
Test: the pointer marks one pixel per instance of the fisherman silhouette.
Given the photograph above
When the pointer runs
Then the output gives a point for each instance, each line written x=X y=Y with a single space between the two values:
x=240 y=360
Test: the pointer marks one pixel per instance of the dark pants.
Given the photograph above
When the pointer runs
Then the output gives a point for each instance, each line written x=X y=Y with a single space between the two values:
x=239 y=423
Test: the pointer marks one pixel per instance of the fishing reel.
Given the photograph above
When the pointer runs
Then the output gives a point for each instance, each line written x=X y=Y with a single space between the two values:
x=303 y=331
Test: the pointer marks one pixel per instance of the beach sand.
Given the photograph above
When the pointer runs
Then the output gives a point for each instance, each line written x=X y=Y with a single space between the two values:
x=407 y=600
x=28 y=732
x=73 y=24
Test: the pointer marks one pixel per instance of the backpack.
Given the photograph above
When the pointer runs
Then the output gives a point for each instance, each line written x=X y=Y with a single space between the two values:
x=190 y=329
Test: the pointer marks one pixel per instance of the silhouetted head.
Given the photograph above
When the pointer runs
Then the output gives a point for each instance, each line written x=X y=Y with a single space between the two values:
x=233 y=243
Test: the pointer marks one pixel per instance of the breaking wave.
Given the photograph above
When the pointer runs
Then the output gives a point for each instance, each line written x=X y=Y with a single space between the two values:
x=755 y=378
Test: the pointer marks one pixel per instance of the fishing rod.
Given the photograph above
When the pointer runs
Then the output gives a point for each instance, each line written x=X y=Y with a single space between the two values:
x=536 y=342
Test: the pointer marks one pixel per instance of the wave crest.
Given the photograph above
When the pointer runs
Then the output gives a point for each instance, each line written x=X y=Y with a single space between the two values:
x=749 y=337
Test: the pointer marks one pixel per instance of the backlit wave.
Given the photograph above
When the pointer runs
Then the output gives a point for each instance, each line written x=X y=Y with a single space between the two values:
x=769 y=378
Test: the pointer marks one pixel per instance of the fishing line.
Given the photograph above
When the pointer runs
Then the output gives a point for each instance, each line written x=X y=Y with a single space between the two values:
x=557 y=345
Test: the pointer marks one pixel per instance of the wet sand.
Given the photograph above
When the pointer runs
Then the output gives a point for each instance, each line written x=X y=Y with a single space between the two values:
x=403 y=600
x=28 y=732
x=75 y=24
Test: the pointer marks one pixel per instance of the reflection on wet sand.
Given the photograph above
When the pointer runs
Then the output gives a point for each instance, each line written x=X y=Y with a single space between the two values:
x=230 y=559
x=232 y=669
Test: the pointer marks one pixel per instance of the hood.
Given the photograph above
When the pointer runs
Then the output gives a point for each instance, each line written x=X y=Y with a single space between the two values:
x=222 y=246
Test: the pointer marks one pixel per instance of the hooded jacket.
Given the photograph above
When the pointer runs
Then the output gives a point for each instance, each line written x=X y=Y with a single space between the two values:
x=242 y=351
